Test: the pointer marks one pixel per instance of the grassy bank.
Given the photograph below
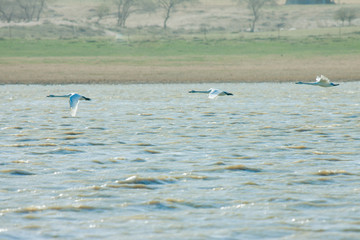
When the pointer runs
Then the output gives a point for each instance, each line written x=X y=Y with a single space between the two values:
x=247 y=58
x=257 y=47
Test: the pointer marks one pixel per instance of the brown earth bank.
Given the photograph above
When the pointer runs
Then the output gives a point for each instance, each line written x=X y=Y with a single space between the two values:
x=274 y=69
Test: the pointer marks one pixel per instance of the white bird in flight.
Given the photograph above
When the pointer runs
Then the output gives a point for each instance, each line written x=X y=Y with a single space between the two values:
x=74 y=99
x=213 y=93
x=321 y=81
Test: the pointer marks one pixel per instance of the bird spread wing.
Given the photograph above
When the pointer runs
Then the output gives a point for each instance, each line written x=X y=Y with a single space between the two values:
x=214 y=93
x=322 y=79
x=74 y=103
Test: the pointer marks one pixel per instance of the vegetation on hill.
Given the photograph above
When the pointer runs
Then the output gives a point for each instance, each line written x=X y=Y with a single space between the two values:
x=120 y=19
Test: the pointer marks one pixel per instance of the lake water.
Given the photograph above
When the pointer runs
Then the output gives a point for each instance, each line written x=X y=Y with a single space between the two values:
x=274 y=161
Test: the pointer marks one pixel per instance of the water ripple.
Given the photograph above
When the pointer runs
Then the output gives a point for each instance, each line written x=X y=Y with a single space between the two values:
x=269 y=162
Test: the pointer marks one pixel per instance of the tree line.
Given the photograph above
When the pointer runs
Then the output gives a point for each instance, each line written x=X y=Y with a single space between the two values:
x=168 y=7
x=124 y=8
x=31 y=10
x=21 y=10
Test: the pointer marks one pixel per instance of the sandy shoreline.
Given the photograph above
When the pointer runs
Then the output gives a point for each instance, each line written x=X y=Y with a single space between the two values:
x=250 y=70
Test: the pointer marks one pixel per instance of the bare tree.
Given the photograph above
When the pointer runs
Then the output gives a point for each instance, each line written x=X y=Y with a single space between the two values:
x=26 y=10
x=351 y=15
x=124 y=9
x=7 y=10
x=340 y=15
x=31 y=9
x=255 y=7
x=169 y=6
x=345 y=14
x=41 y=6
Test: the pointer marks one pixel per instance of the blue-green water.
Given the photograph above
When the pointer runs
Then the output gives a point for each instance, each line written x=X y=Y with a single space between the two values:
x=274 y=161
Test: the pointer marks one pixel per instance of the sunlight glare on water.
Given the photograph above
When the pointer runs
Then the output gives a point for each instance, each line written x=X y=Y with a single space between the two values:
x=155 y=162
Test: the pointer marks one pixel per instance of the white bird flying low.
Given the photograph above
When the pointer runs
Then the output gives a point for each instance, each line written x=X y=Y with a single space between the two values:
x=321 y=81
x=213 y=93
x=74 y=99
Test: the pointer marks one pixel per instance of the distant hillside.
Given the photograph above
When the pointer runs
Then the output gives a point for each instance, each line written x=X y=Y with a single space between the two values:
x=79 y=18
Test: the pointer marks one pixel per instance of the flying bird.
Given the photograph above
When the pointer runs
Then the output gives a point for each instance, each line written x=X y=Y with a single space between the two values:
x=321 y=81
x=213 y=93
x=74 y=99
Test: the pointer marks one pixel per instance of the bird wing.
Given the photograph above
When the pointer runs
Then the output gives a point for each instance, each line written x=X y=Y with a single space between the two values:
x=214 y=93
x=74 y=103
x=322 y=79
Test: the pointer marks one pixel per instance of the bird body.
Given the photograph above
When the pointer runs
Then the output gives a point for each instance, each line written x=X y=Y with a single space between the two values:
x=74 y=99
x=321 y=81
x=213 y=92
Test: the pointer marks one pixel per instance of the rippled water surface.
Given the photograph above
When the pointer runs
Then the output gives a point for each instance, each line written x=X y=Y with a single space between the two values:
x=155 y=162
